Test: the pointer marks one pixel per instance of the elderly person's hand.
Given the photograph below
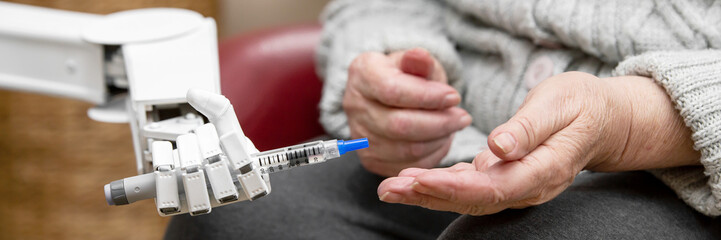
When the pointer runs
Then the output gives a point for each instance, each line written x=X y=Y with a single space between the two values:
x=569 y=122
x=403 y=104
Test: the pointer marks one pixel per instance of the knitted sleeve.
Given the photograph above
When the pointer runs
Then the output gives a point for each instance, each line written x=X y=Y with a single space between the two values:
x=608 y=30
x=693 y=81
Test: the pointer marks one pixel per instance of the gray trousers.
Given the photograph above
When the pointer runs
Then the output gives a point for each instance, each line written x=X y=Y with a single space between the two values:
x=337 y=200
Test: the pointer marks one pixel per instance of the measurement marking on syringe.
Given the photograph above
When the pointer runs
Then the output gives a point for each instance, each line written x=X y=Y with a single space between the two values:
x=291 y=157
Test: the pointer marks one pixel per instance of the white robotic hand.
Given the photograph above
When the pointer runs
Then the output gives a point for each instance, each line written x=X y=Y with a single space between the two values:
x=236 y=173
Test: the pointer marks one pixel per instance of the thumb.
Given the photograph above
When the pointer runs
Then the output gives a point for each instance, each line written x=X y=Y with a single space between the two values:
x=418 y=62
x=532 y=125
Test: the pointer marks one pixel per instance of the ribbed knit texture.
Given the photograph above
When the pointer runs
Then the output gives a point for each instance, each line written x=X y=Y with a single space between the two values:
x=693 y=81
x=487 y=47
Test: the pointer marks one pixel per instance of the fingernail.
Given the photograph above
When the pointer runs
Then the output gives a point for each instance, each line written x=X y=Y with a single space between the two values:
x=382 y=198
x=465 y=121
x=450 y=98
x=419 y=188
x=505 y=142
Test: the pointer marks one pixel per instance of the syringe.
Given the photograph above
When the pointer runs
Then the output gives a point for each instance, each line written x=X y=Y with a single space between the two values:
x=304 y=154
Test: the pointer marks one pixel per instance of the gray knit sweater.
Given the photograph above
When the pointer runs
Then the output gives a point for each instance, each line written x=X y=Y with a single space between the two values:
x=494 y=51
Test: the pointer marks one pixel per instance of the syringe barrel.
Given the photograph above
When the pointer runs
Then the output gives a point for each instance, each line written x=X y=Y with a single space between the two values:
x=296 y=155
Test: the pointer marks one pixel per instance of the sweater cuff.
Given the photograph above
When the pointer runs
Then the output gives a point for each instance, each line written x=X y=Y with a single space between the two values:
x=692 y=79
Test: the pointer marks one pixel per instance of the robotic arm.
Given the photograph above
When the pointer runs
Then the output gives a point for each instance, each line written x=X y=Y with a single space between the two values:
x=135 y=65
x=138 y=66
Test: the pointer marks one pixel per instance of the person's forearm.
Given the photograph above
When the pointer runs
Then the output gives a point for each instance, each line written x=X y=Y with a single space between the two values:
x=656 y=136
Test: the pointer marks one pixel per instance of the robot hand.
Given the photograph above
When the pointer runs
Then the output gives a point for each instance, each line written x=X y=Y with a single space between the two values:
x=237 y=172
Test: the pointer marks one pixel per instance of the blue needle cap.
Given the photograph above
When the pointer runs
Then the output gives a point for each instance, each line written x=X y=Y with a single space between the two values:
x=352 y=145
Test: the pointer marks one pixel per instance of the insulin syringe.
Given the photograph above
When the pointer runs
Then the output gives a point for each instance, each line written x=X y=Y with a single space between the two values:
x=304 y=154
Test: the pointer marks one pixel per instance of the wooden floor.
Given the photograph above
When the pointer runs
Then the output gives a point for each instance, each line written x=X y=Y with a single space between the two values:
x=54 y=162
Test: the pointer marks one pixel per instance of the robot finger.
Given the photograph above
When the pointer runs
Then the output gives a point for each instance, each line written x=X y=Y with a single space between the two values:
x=235 y=144
x=166 y=185
x=193 y=176
x=221 y=182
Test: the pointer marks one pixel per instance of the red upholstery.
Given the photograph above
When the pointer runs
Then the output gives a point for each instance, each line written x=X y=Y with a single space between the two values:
x=269 y=77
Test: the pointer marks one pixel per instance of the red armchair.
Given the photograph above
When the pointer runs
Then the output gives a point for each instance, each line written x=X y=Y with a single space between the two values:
x=269 y=77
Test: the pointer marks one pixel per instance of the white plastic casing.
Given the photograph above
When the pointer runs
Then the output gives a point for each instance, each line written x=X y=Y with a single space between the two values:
x=142 y=25
x=160 y=52
x=166 y=185
x=139 y=187
x=166 y=196
x=176 y=157
x=208 y=140
x=196 y=193
x=237 y=147
x=188 y=151
x=221 y=182
x=161 y=72
x=162 y=154
x=42 y=51
x=253 y=184
x=221 y=113
x=218 y=174
x=234 y=148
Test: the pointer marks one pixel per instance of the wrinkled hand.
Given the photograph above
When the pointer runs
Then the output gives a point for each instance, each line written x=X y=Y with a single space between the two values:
x=569 y=122
x=403 y=104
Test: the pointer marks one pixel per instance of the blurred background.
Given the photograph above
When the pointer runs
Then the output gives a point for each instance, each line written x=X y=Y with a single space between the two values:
x=54 y=160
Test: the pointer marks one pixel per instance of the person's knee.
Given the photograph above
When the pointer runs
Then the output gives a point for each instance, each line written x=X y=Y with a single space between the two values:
x=508 y=224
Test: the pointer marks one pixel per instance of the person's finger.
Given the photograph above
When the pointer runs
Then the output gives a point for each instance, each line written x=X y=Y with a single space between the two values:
x=461 y=166
x=544 y=112
x=462 y=187
x=434 y=203
x=505 y=182
x=417 y=62
x=400 y=190
x=374 y=78
x=399 y=150
x=413 y=124
x=543 y=173
x=484 y=160
x=405 y=151
x=412 y=172
x=400 y=185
